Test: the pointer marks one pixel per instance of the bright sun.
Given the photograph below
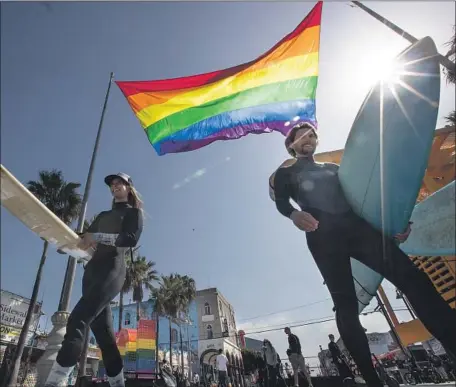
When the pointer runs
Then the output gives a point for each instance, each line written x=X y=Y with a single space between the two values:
x=388 y=71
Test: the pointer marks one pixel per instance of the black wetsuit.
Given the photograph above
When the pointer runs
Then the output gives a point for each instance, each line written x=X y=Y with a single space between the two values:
x=341 y=235
x=116 y=231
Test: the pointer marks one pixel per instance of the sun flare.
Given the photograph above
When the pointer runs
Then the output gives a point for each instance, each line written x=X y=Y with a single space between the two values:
x=387 y=71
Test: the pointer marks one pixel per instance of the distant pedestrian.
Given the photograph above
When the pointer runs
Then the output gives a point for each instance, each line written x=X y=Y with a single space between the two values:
x=196 y=380
x=338 y=360
x=296 y=359
x=222 y=367
x=270 y=357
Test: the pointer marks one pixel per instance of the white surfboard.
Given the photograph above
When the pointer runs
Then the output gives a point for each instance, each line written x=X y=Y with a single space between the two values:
x=22 y=204
x=434 y=221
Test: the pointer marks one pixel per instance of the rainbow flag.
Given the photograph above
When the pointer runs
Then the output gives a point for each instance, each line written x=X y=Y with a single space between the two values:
x=270 y=93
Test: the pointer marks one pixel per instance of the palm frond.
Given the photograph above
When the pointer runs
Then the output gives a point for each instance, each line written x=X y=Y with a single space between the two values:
x=55 y=193
x=451 y=118
x=450 y=74
x=174 y=295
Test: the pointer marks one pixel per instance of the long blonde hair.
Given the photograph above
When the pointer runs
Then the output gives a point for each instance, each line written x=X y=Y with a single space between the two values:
x=134 y=198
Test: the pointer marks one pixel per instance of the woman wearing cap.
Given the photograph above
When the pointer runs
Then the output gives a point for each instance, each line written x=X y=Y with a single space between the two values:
x=112 y=234
x=335 y=233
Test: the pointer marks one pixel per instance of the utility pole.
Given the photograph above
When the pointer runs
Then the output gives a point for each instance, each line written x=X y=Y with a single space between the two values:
x=391 y=325
x=444 y=61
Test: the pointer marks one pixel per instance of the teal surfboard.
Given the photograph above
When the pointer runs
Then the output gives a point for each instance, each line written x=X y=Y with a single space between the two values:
x=388 y=148
x=386 y=155
x=434 y=219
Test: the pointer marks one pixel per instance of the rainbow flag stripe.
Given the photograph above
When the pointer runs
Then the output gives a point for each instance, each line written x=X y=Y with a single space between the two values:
x=261 y=96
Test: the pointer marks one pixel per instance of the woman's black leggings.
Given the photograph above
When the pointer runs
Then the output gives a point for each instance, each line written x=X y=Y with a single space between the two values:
x=103 y=279
x=341 y=237
x=272 y=376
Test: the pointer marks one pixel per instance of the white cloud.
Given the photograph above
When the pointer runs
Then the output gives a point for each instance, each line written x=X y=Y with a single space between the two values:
x=188 y=179
x=199 y=173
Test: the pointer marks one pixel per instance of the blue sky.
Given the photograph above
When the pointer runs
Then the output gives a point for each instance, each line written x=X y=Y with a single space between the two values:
x=209 y=214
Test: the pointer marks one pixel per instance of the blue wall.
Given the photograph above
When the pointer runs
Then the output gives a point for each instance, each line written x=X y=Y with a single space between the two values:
x=189 y=331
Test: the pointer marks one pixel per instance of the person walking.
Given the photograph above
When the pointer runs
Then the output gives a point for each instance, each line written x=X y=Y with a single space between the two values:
x=335 y=233
x=338 y=359
x=222 y=362
x=297 y=361
x=196 y=380
x=270 y=358
x=112 y=234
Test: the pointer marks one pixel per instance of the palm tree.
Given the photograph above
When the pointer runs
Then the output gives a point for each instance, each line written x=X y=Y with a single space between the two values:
x=173 y=297
x=166 y=299
x=140 y=274
x=63 y=200
x=172 y=292
x=188 y=293
x=451 y=55
x=451 y=118
x=158 y=295
x=143 y=276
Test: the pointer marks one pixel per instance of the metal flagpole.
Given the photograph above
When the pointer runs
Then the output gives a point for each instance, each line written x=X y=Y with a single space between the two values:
x=60 y=317
x=71 y=270
x=71 y=266
x=444 y=61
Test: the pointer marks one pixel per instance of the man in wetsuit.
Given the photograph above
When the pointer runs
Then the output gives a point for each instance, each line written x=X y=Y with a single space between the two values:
x=338 y=359
x=335 y=233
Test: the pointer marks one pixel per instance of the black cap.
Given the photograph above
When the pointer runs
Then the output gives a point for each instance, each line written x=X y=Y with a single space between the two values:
x=127 y=179
x=292 y=134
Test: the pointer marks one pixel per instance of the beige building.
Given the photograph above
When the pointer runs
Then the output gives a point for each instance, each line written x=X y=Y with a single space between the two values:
x=217 y=326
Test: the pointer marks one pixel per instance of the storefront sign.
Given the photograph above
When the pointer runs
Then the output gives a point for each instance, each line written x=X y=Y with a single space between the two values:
x=10 y=334
x=13 y=310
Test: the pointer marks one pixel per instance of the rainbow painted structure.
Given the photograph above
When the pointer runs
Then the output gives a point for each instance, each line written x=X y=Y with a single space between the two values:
x=264 y=95
x=137 y=347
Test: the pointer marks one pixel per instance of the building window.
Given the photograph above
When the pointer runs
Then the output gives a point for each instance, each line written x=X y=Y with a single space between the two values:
x=207 y=309
x=174 y=335
x=221 y=308
x=209 y=333
x=127 y=319
x=225 y=327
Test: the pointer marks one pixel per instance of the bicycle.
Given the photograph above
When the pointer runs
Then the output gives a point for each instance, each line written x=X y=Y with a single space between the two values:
x=385 y=377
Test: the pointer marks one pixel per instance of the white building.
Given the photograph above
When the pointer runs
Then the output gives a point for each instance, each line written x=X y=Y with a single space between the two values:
x=217 y=327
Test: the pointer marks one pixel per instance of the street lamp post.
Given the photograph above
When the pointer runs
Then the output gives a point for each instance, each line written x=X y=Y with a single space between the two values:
x=59 y=319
